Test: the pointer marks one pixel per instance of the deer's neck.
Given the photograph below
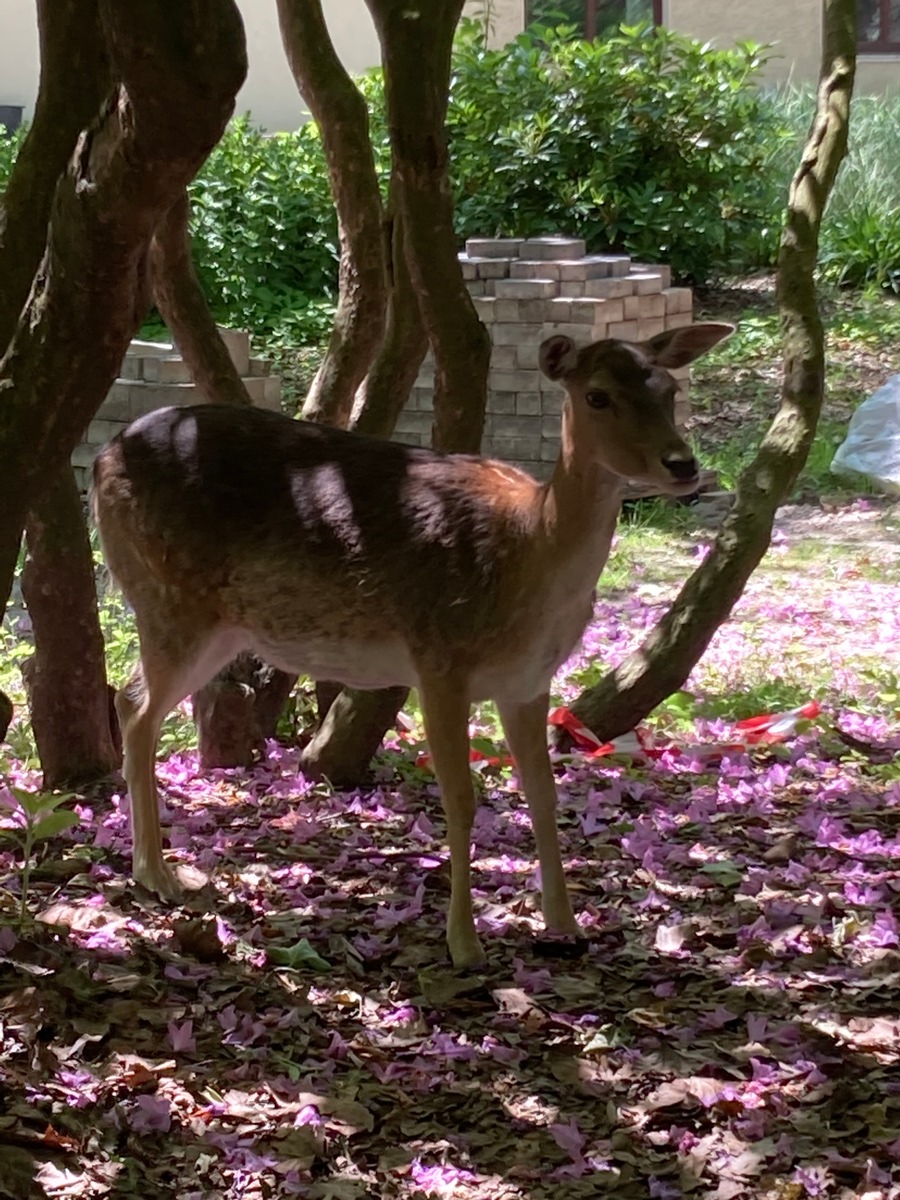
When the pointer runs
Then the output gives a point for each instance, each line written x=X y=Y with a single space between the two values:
x=580 y=508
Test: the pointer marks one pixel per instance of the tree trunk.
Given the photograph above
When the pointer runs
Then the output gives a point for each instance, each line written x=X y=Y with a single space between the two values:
x=73 y=82
x=625 y=696
x=66 y=677
x=416 y=42
x=180 y=63
x=6 y=714
x=340 y=112
x=349 y=736
x=179 y=297
x=386 y=388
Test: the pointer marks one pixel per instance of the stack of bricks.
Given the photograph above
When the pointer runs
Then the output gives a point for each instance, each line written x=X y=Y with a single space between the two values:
x=154 y=375
x=525 y=290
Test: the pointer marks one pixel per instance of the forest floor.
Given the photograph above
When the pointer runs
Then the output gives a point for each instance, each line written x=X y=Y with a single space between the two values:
x=729 y=1029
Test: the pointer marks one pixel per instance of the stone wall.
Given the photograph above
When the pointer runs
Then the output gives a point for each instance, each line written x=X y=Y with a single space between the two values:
x=154 y=375
x=524 y=291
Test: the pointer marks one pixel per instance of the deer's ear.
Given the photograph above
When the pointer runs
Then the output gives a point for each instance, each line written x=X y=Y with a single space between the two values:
x=677 y=347
x=557 y=356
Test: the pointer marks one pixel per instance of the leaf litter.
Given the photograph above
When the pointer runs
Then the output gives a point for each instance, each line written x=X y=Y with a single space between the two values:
x=730 y=1028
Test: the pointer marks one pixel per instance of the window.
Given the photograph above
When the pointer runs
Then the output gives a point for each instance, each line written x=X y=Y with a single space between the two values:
x=595 y=17
x=879 y=26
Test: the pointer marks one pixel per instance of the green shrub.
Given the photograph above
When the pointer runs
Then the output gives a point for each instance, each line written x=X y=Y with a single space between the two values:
x=9 y=148
x=265 y=234
x=645 y=142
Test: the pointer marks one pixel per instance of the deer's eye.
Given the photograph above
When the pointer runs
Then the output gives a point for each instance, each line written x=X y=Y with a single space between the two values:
x=598 y=399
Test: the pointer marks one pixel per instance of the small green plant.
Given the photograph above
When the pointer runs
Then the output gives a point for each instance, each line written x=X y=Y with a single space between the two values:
x=35 y=817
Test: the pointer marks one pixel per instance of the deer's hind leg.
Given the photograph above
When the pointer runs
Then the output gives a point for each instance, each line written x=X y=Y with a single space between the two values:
x=172 y=666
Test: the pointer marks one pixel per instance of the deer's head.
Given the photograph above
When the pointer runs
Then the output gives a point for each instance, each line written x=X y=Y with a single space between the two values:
x=620 y=407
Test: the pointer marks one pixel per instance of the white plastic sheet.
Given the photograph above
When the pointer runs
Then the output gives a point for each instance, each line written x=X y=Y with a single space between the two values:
x=872 y=444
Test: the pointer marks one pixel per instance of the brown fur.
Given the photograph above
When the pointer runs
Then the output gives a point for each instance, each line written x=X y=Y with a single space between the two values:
x=375 y=564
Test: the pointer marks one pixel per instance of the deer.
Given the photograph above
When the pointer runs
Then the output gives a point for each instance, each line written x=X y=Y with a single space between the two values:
x=376 y=564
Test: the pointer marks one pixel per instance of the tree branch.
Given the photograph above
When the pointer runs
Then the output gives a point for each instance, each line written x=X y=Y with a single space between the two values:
x=662 y=664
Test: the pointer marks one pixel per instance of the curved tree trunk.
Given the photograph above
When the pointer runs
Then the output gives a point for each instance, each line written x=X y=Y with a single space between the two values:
x=416 y=42
x=90 y=290
x=179 y=297
x=663 y=663
x=66 y=678
x=340 y=112
x=385 y=390
x=6 y=714
x=68 y=694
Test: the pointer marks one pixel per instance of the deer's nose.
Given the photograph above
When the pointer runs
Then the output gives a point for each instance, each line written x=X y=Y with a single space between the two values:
x=683 y=469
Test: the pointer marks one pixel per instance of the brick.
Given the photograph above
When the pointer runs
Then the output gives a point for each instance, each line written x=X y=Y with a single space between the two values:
x=100 y=432
x=552 y=248
x=608 y=289
x=625 y=331
x=583 y=312
x=663 y=271
x=117 y=405
x=678 y=299
x=682 y=411
x=260 y=366
x=468 y=268
x=131 y=367
x=147 y=397
x=550 y=427
x=517 y=335
x=485 y=306
x=505 y=358
x=682 y=374
x=165 y=370
x=256 y=387
x=533 y=310
x=424 y=399
x=521 y=448
x=140 y=349
x=571 y=290
x=559 y=309
x=527 y=357
x=631 y=306
x=413 y=422
x=513 y=381
x=476 y=288
x=650 y=327
x=551 y=403
x=492 y=268
x=528 y=404
x=644 y=282
x=272 y=392
x=506 y=310
x=619 y=264
x=237 y=343
x=599 y=331
x=580 y=334
x=533 y=269
x=677 y=320
x=549 y=450
x=525 y=289
x=610 y=311
x=501 y=402
x=83 y=456
x=493 y=247
x=653 y=305
x=501 y=425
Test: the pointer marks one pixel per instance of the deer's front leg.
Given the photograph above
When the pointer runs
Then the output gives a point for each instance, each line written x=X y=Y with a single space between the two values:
x=526 y=734
x=445 y=705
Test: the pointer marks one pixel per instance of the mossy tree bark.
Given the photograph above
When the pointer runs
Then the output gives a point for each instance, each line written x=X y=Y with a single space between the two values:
x=416 y=39
x=340 y=112
x=662 y=664
x=179 y=297
x=73 y=722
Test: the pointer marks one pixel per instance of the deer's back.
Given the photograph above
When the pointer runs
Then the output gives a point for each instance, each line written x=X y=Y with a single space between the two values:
x=299 y=532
